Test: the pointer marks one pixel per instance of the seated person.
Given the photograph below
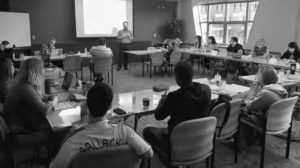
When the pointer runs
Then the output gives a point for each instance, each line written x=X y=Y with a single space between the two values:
x=99 y=133
x=198 y=45
x=260 y=49
x=100 y=50
x=211 y=44
x=262 y=94
x=234 y=49
x=7 y=51
x=293 y=52
x=24 y=109
x=46 y=48
x=6 y=76
x=191 y=101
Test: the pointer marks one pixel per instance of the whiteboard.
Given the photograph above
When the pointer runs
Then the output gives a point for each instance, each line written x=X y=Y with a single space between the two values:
x=15 y=28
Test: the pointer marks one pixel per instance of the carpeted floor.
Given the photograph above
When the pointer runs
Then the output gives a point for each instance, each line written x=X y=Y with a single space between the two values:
x=127 y=81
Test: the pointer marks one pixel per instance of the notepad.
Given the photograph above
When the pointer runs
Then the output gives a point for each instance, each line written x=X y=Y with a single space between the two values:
x=64 y=105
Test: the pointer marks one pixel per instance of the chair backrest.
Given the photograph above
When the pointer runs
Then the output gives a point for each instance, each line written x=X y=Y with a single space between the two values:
x=116 y=157
x=192 y=140
x=227 y=124
x=102 y=64
x=46 y=60
x=157 y=58
x=175 y=57
x=279 y=115
x=72 y=63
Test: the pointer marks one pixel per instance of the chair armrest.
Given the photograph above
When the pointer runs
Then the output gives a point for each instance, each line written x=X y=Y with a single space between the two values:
x=258 y=115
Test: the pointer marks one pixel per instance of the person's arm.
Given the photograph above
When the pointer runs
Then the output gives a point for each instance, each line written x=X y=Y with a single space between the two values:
x=130 y=35
x=240 y=52
x=120 y=36
x=259 y=102
x=35 y=101
x=267 y=53
x=163 y=109
x=285 y=55
x=140 y=146
x=206 y=99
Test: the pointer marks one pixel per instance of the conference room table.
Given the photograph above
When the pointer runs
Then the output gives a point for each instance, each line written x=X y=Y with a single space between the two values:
x=63 y=56
x=67 y=118
x=143 y=54
x=244 y=59
x=287 y=81
x=56 y=57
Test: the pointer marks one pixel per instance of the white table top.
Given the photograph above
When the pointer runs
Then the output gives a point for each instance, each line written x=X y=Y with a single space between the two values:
x=64 y=118
x=144 y=52
x=285 y=81
x=61 y=57
x=244 y=58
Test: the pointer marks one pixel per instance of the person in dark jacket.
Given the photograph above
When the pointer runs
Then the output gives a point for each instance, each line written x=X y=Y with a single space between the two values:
x=6 y=75
x=189 y=102
x=293 y=52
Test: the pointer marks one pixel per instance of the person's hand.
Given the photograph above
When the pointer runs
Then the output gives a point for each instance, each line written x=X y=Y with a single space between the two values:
x=54 y=102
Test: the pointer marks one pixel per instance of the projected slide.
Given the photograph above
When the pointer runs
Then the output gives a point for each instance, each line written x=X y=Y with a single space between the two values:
x=95 y=18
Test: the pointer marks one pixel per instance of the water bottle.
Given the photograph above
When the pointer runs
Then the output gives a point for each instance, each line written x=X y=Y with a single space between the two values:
x=134 y=98
x=85 y=50
x=293 y=67
x=218 y=79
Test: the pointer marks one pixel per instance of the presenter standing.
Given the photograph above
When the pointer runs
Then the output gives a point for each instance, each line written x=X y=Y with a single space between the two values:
x=125 y=38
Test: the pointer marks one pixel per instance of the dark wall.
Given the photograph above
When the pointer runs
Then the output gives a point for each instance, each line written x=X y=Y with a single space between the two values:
x=4 y=5
x=57 y=18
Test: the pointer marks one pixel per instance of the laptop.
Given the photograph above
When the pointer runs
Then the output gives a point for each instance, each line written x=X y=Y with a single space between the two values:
x=56 y=52
x=66 y=84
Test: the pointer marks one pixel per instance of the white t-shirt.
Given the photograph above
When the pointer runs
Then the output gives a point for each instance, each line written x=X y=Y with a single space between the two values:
x=101 y=51
x=97 y=136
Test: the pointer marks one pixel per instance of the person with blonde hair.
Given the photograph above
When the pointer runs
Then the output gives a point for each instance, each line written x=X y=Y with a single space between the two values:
x=24 y=109
x=260 y=49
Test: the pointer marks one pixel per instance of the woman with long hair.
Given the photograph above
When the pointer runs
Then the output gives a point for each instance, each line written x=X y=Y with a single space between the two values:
x=211 y=44
x=24 y=108
x=6 y=75
x=260 y=49
x=293 y=52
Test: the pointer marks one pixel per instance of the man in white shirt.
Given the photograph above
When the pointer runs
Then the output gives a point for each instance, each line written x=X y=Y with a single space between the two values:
x=125 y=37
x=99 y=133
x=100 y=51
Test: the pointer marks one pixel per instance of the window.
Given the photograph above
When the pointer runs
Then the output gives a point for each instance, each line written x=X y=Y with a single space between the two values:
x=225 y=20
x=235 y=30
x=217 y=30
